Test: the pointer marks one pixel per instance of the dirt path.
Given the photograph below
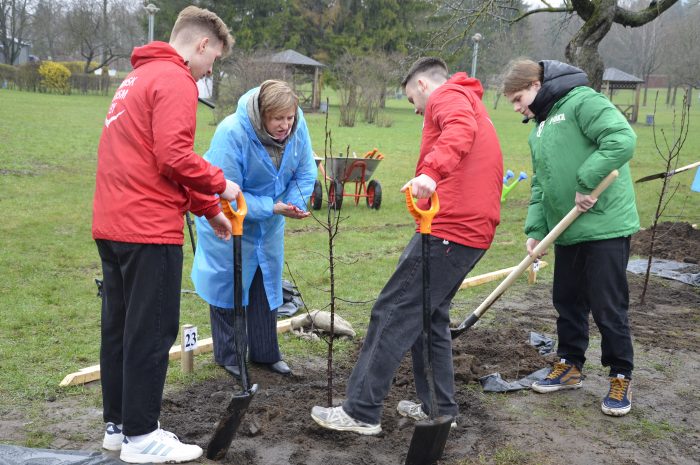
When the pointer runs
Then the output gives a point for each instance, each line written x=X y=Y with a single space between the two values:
x=516 y=428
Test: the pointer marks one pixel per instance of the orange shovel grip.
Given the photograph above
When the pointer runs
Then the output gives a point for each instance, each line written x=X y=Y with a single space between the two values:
x=236 y=217
x=424 y=216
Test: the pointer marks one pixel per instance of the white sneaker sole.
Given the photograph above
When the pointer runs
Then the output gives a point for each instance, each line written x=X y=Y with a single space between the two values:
x=363 y=430
x=149 y=458
x=615 y=412
x=112 y=445
x=560 y=387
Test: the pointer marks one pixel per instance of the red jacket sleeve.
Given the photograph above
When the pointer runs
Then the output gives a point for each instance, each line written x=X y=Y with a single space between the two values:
x=452 y=112
x=203 y=204
x=174 y=122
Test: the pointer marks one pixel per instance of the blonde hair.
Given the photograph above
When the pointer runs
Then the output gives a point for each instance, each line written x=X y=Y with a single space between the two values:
x=276 y=96
x=520 y=74
x=193 y=22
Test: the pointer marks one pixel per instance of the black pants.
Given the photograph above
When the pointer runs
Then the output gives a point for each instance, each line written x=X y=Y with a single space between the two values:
x=396 y=325
x=140 y=320
x=261 y=328
x=591 y=277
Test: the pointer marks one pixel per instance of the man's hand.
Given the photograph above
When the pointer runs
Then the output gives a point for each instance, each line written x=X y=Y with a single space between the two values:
x=231 y=192
x=584 y=202
x=530 y=245
x=422 y=186
x=289 y=210
x=221 y=226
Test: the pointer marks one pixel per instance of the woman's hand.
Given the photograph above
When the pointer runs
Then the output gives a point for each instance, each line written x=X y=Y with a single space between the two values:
x=289 y=210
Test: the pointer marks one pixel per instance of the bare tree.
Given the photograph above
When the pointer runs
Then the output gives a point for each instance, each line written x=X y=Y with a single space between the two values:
x=669 y=150
x=14 y=27
x=582 y=50
x=102 y=31
x=47 y=32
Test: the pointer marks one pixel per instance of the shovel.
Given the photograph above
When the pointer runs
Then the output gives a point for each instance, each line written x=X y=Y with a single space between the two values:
x=669 y=173
x=232 y=417
x=529 y=259
x=429 y=436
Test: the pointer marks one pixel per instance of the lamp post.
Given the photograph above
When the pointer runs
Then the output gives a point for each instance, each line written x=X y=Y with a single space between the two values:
x=151 y=9
x=476 y=38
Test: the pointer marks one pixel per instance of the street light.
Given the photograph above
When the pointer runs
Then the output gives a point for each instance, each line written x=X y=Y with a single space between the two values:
x=151 y=9
x=476 y=38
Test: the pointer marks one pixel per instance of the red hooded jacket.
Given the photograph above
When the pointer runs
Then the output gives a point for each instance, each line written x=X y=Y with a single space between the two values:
x=148 y=175
x=460 y=151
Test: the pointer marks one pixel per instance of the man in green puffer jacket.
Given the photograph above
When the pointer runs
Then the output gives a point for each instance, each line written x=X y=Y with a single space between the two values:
x=579 y=138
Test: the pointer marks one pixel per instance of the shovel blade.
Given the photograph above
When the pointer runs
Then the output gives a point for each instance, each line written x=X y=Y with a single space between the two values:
x=229 y=423
x=428 y=441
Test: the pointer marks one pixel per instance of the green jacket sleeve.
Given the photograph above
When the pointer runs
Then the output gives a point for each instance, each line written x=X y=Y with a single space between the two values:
x=605 y=125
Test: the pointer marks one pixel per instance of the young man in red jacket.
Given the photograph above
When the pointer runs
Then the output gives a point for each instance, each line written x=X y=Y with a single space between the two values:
x=460 y=158
x=148 y=176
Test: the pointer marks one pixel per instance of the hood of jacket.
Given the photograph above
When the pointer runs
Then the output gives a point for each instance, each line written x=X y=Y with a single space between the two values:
x=559 y=79
x=157 y=51
x=472 y=84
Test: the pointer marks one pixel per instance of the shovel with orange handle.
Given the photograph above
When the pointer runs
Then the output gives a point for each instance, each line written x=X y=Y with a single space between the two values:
x=232 y=417
x=430 y=436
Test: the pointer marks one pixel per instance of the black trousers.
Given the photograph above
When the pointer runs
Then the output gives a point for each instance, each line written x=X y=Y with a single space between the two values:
x=261 y=322
x=396 y=325
x=591 y=277
x=140 y=321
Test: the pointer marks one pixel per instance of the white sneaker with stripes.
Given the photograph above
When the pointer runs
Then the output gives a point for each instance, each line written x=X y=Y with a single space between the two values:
x=159 y=446
x=113 y=437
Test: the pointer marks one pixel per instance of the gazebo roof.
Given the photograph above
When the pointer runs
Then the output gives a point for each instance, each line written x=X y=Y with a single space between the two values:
x=616 y=75
x=292 y=57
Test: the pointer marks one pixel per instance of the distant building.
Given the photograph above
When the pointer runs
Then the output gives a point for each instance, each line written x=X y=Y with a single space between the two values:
x=23 y=57
x=657 y=80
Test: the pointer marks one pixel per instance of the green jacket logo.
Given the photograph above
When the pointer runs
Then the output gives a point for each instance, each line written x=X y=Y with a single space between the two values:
x=557 y=118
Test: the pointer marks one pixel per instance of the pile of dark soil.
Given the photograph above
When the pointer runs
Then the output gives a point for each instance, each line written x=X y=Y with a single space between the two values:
x=672 y=241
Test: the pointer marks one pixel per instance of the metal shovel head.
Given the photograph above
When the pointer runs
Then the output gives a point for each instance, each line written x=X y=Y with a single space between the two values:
x=229 y=423
x=428 y=441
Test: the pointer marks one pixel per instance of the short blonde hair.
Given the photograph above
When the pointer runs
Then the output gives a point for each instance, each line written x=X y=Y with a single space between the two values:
x=193 y=22
x=276 y=96
x=520 y=74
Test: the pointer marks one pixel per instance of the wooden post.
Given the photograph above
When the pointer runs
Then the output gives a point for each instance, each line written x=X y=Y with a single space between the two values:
x=186 y=358
x=635 y=110
x=315 y=92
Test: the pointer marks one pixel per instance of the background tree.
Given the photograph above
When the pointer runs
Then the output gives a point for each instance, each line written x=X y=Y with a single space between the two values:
x=14 y=27
x=47 y=31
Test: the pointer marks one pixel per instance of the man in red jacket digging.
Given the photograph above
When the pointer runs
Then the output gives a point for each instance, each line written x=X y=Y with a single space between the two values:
x=148 y=176
x=460 y=158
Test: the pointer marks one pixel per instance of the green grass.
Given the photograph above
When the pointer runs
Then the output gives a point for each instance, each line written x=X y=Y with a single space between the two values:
x=49 y=314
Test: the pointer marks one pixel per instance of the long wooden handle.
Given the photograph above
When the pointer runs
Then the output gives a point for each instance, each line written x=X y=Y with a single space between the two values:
x=529 y=259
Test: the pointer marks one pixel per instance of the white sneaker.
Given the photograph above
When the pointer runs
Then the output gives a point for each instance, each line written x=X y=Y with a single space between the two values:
x=159 y=446
x=409 y=409
x=336 y=419
x=113 y=437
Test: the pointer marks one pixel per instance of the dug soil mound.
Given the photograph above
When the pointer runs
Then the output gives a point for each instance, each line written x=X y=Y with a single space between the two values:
x=516 y=428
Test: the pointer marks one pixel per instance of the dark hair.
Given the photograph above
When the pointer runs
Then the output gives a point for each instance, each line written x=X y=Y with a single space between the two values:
x=432 y=66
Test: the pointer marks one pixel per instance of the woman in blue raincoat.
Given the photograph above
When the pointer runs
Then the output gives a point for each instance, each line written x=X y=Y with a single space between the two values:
x=265 y=148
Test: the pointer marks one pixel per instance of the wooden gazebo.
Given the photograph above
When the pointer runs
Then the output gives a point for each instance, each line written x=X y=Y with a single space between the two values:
x=300 y=69
x=614 y=79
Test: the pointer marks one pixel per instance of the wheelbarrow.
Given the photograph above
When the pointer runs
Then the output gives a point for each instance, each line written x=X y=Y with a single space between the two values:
x=339 y=170
x=316 y=199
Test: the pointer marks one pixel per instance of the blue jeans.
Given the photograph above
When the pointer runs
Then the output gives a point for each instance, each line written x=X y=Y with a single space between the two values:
x=396 y=325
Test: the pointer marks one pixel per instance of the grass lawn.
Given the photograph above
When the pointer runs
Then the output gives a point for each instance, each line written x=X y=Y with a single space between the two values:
x=49 y=314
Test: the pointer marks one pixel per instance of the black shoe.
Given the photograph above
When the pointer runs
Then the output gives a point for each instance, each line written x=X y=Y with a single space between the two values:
x=280 y=367
x=233 y=370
